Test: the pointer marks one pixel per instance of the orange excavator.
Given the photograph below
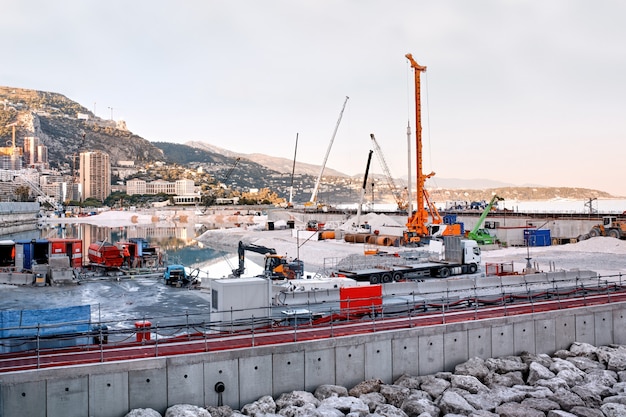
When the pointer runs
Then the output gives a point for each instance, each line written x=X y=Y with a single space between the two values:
x=418 y=229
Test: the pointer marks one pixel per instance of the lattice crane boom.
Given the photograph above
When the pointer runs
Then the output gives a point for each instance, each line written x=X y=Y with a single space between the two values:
x=390 y=182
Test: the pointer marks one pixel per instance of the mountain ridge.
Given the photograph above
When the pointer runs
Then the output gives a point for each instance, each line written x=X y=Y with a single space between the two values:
x=67 y=128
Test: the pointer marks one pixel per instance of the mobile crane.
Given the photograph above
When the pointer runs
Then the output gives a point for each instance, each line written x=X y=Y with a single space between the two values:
x=480 y=235
x=400 y=201
x=276 y=266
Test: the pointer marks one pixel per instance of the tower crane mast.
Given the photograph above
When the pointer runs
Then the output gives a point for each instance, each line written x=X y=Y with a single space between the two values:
x=402 y=205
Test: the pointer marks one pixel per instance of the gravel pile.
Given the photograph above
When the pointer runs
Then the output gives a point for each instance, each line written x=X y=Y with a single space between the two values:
x=583 y=381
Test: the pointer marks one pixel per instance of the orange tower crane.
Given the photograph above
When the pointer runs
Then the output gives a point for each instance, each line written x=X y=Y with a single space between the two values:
x=417 y=221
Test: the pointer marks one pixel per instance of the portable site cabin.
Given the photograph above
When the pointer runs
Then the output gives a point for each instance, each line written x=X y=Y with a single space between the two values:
x=29 y=253
x=70 y=248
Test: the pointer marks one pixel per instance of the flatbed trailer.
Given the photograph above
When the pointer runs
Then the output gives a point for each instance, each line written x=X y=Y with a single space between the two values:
x=396 y=273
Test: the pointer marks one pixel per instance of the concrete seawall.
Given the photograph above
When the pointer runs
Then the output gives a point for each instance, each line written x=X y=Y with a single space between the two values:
x=112 y=389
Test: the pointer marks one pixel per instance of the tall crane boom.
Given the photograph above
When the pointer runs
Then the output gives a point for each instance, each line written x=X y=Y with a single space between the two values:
x=330 y=145
x=390 y=182
x=416 y=224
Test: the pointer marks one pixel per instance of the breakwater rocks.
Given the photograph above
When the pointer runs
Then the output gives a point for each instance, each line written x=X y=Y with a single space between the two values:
x=583 y=381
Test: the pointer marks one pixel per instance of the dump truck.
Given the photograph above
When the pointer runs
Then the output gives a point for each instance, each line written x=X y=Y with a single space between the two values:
x=461 y=256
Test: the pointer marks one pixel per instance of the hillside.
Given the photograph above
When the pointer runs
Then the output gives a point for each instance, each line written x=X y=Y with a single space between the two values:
x=68 y=128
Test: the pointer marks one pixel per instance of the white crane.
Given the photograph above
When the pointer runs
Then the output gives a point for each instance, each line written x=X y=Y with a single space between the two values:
x=402 y=205
x=330 y=145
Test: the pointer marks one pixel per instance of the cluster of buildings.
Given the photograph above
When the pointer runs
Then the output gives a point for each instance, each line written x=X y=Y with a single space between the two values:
x=28 y=166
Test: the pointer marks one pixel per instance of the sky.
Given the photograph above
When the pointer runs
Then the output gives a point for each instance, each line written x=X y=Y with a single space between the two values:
x=523 y=92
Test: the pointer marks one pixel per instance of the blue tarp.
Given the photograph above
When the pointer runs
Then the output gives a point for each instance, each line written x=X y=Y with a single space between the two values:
x=19 y=328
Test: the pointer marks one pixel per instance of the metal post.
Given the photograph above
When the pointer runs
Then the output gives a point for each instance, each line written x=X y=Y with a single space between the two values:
x=156 y=340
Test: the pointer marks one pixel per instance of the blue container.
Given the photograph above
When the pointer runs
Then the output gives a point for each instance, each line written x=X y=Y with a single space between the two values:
x=449 y=219
x=534 y=237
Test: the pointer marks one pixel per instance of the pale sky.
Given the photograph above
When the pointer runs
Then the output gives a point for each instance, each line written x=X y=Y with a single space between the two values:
x=525 y=92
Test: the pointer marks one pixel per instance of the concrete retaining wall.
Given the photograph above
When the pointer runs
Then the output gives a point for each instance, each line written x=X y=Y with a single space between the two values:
x=112 y=389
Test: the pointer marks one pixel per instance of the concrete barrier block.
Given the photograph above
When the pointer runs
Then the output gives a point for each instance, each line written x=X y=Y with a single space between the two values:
x=147 y=388
x=405 y=357
x=502 y=341
x=524 y=337
x=222 y=373
x=68 y=397
x=564 y=331
x=479 y=343
x=289 y=371
x=545 y=336
x=255 y=378
x=603 y=328
x=455 y=349
x=185 y=384
x=431 y=354
x=619 y=324
x=319 y=368
x=488 y=282
x=108 y=394
x=349 y=365
x=585 y=331
x=536 y=279
x=378 y=361
x=432 y=286
x=24 y=399
x=460 y=284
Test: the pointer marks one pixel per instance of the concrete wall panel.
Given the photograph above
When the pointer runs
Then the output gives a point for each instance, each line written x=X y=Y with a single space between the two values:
x=455 y=349
x=619 y=324
x=287 y=372
x=349 y=365
x=479 y=343
x=430 y=354
x=524 y=337
x=226 y=372
x=319 y=368
x=26 y=399
x=603 y=328
x=585 y=331
x=502 y=341
x=564 y=331
x=185 y=384
x=378 y=361
x=545 y=336
x=68 y=397
x=255 y=378
x=405 y=357
x=147 y=388
x=108 y=394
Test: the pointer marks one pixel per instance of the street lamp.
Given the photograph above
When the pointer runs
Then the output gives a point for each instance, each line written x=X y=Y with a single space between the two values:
x=111 y=108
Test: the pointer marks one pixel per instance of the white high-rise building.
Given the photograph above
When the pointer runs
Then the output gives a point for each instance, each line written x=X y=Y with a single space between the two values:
x=95 y=175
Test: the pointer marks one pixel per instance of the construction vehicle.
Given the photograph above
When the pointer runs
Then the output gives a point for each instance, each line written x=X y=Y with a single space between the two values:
x=418 y=229
x=276 y=266
x=461 y=256
x=176 y=275
x=397 y=195
x=610 y=227
x=479 y=234
x=357 y=226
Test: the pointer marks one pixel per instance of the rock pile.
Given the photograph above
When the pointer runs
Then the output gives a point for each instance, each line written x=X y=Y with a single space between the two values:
x=583 y=381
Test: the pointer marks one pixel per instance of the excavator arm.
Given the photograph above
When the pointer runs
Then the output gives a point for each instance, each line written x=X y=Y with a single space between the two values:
x=241 y=254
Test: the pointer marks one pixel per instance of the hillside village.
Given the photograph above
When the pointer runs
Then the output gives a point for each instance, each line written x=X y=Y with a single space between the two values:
x=46 y=134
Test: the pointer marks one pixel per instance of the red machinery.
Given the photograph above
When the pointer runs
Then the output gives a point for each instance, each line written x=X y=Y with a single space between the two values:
x=105 y=254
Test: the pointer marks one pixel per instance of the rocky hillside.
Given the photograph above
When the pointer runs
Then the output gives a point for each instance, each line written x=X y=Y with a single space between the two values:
x=67 y=127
